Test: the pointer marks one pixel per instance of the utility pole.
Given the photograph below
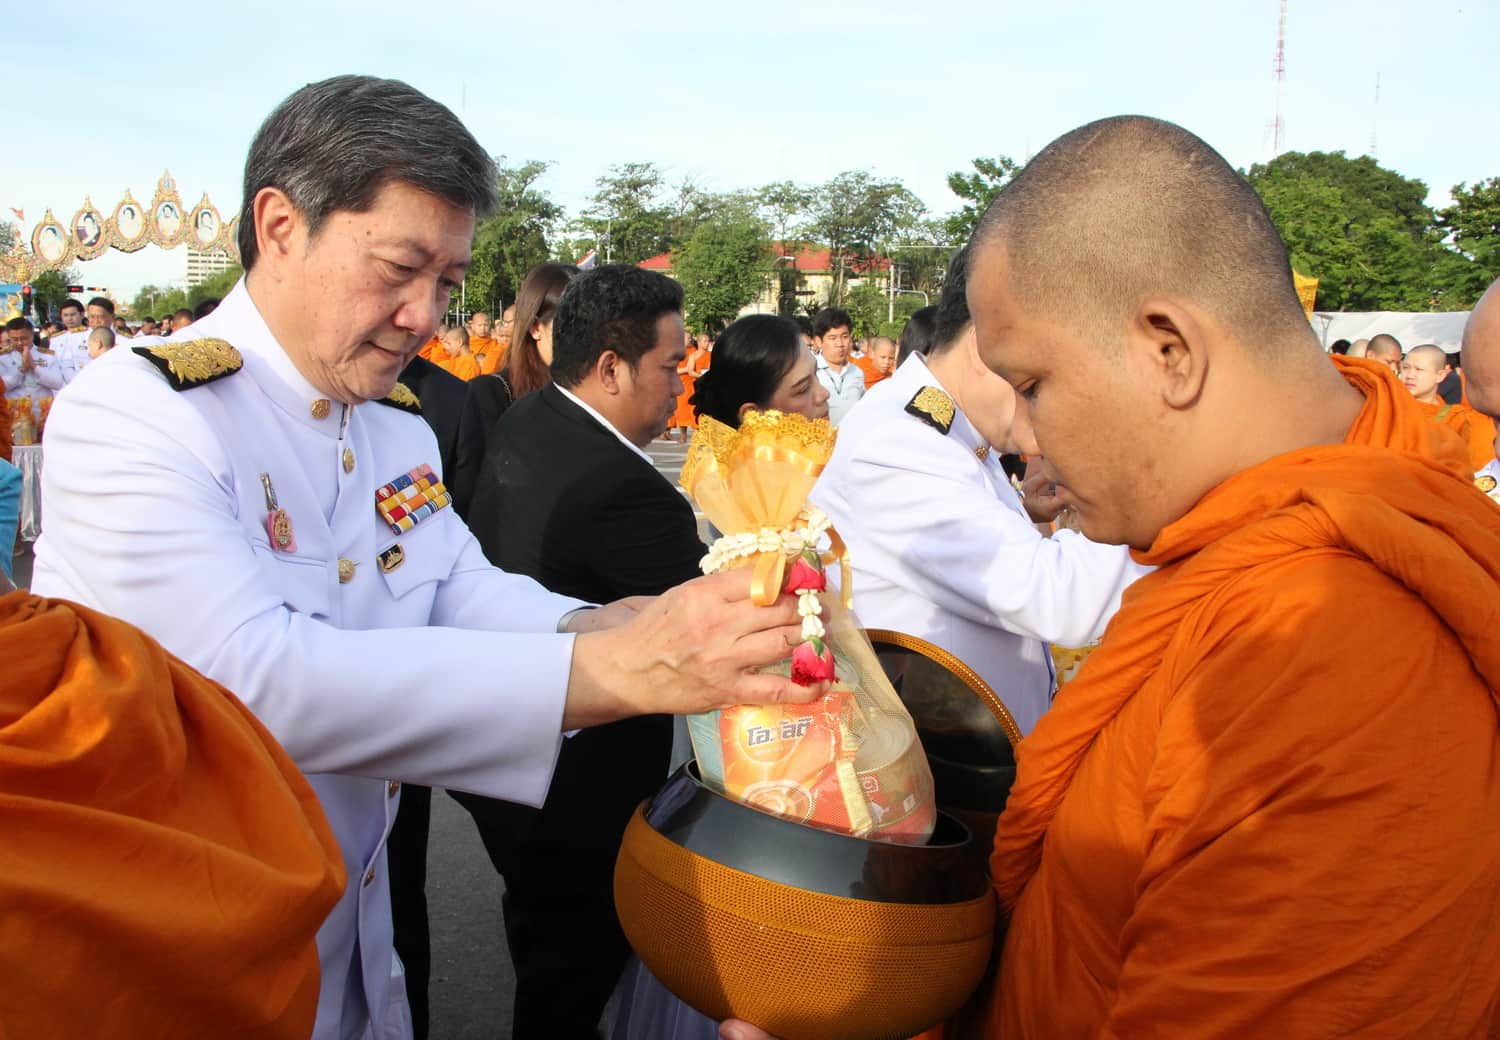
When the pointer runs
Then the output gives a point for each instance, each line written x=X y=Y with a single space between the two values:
x=1277 y=125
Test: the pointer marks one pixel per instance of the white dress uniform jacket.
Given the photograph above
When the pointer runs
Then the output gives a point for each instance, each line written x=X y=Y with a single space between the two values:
x=20 y=383
x=69 y=353
x=942 y=548
x=156 y=513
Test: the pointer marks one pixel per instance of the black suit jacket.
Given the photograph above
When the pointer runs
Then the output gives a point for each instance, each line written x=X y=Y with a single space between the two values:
x=456 y=420
x=561 y=499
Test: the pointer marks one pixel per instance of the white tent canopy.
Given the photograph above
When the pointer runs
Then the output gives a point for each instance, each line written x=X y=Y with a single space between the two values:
x=1445 y=328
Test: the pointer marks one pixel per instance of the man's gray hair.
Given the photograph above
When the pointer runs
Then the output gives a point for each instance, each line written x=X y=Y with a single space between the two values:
x=334 y=145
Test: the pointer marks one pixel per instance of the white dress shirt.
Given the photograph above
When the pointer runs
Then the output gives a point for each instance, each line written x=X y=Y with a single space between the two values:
x=442 y=670
x=602 y=421
x=844 y=388
x=942 y=548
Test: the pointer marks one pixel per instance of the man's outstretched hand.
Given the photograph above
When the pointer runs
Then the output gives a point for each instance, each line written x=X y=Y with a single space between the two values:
x=695 y=648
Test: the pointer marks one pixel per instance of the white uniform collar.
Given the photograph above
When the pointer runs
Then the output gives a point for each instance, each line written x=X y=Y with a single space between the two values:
x=602 y=421
x=238 y=322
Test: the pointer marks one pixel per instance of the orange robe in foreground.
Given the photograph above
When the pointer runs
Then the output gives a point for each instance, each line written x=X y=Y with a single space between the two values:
x=1477 y=431
x=1251 y=816
x=164 y=867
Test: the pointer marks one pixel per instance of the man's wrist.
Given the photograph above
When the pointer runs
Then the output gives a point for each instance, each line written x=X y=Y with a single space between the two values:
x=564 y=623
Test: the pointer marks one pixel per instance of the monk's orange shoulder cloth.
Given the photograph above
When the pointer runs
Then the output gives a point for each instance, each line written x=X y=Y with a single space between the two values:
x=1268 y=805
x=465 y=366
x=163 y=865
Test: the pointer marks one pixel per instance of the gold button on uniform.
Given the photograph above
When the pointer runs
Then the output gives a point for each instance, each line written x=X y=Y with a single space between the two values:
x=392 y=787
x=983 y=451
x=348 y=460
x=320 y=408
x=346 y=571
x=369 y=877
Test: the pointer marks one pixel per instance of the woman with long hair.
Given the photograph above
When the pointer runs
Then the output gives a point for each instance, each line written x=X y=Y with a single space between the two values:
x=531 y=347
x=760 y=363
x=530 y=354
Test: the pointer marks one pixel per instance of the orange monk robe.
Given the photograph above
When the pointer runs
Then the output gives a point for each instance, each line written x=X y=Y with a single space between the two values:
x=465 y=366
x=691 y=368
x=489 y=352
x=164 y=867
x=873 y=375
x=1476 y=430
x=433 y=350
x=1247 y=817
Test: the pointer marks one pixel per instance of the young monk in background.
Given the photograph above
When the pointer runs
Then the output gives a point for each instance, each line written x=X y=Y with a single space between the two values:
x=1245 y=817
x=165 y=867
x=1423 y=369
x=458 y=359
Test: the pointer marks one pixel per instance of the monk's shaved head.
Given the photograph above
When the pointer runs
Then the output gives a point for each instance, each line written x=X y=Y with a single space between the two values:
x=1384 y=347
x=1430 y=353
x=1128 y=208
x=1131 y=288
x=1481 y=353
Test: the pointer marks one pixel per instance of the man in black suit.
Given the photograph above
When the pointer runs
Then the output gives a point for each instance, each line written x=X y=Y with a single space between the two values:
x=456 y=420
x=568 y=495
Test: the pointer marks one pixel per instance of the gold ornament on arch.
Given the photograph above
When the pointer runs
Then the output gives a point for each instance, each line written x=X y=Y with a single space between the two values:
x=128 y=228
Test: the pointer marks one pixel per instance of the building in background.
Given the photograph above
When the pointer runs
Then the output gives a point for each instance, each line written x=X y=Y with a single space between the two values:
x=204 y=264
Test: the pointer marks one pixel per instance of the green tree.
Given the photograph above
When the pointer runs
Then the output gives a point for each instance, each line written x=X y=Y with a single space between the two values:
x=49 y=289
x=1471 y=224
x=978 y=190
x=627 y=215
x=858 y=217
x=869 y=308
x=723 y=267
x=161 y=301
x=1365 y=232
x=513 y=240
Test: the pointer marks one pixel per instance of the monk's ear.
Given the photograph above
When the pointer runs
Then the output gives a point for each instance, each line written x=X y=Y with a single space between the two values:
x=1174 y=343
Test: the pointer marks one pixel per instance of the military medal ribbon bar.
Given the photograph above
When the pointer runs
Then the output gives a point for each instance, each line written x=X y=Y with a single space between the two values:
x=411 y=498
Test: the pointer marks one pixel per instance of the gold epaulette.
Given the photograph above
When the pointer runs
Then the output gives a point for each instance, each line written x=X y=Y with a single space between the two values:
x=194 y=362
x=934 y=408
x=401 y=397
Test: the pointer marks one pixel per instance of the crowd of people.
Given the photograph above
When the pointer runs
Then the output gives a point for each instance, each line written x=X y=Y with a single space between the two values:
x=1244 y=816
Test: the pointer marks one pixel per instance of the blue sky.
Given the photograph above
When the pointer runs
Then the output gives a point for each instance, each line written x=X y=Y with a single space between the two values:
x=735 y=98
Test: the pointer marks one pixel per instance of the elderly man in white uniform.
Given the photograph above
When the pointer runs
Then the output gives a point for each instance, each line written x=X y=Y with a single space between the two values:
x=265 y=500
x=941 y=545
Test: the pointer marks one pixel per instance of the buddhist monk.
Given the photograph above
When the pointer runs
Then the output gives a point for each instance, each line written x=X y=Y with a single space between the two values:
x=1423 y=369
x=1358 y=348
x=164 y=867
x=487 y=351
x=1481 y=366
x=1386 y=349
x=879 y=360
x=457 y=358
x=432 y=350
x=1245 y=817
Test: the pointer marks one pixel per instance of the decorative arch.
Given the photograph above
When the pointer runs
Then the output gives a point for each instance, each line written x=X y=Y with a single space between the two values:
x=129 y=227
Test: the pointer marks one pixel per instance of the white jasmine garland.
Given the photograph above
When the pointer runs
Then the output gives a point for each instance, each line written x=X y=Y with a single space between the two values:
x=792 y=541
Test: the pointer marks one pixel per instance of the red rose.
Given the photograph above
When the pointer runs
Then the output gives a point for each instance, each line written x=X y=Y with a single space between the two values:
x=803 y=575
x=812 y=662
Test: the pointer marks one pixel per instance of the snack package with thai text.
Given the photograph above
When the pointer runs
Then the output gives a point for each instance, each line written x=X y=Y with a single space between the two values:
x=847 y=759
